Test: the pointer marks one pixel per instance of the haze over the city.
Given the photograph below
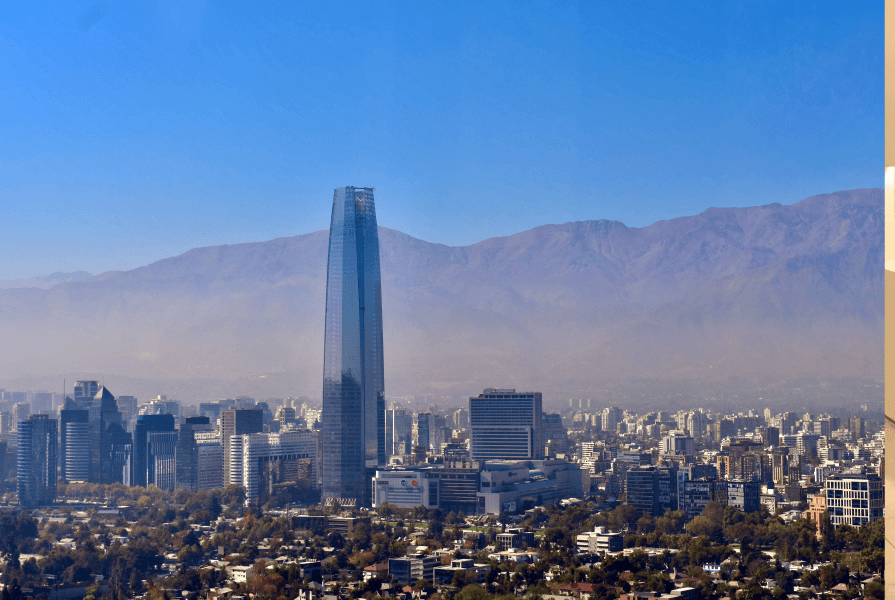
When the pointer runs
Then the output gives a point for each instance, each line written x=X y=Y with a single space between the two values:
x=730 y=298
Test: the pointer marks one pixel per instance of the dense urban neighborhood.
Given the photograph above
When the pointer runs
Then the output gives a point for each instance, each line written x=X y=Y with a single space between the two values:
x=129 y=499
x=123 y=542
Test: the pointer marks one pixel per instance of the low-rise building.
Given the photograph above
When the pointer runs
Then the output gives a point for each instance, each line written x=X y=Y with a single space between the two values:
x=410 y=568
x=444 y=575
x=515 y=556
x=241 y=574
x=600 y=541
x=515 y=538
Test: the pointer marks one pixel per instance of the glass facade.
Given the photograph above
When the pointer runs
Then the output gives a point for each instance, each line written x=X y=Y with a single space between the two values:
x=353 y=425
x=142 y=472
x=36 y=462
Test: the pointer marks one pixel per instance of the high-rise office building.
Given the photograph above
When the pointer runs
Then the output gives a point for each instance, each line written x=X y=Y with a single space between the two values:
x=42 y=402
x=20 y=412
x=110 y=443
x=555 y=431
x=187 y=454
x=260 y=461
x=693 y=472
x=161 y=465
x=36 y=472
x=770 y=436
x=240 y=421
x=353 y=429
x=398 y=427
x=127 y=405
x=611 y=417
x=85 y=391
x=745 y=461
x=211 y=460
x=422 y=430
x=652 y=489
x=506 y=425
x=286 y=416
x=744 y=495
x=143 y=467
x=677 y=443
x=74 y=443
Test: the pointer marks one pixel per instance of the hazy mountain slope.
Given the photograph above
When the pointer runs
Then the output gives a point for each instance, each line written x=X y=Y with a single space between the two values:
x=44 y=281
x=761 y=291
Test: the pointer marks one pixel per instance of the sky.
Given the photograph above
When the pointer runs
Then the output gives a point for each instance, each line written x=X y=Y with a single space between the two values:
x=134 y=131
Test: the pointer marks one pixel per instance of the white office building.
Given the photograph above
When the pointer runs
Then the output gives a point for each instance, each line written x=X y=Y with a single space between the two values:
x=252 y=455
x=210 y=451
x=854 y=498
x=506 y=425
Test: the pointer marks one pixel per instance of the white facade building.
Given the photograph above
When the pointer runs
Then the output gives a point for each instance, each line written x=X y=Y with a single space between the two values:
x=405 y=488
x=600 y=541
x=250 y=453
x=854 y=498
x=211 y=460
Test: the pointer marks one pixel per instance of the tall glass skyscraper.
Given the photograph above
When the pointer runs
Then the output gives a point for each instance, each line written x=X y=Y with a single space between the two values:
x=353 y=371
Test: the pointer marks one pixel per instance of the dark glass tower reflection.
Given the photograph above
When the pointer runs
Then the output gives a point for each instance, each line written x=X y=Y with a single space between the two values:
x=353 y=371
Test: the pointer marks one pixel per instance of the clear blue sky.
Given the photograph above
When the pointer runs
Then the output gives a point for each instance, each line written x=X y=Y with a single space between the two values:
x=133 y=131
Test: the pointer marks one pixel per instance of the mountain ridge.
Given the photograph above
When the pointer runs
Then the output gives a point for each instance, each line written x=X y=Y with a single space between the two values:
x=769 y=290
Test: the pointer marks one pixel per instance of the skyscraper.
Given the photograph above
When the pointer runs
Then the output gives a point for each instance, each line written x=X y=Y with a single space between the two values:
x=36 y=472
x=85 y=391
x=161 y=459
x=398 y=425
x=143 y=470
x=187 y=454
x=74 y=442
x=422 y=429
x=238 y=422
x=353 y=425
x=111 y=444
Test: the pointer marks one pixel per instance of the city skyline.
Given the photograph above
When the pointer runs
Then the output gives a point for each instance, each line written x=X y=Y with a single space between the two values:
x=640 y=355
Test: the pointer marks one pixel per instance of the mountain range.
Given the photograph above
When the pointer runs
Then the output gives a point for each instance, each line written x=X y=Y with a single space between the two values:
x=766 y=292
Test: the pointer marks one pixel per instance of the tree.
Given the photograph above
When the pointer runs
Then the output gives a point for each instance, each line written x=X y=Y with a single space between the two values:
x=671 y=523
x=875 y=589
x=335 y=540
x=557 y=536
x=624 y=516
x=92 y=591
x=473 y=592
x=463 y=578
x=384 y=510
x=703 y=525
x=421 y=584
x=190 y=555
